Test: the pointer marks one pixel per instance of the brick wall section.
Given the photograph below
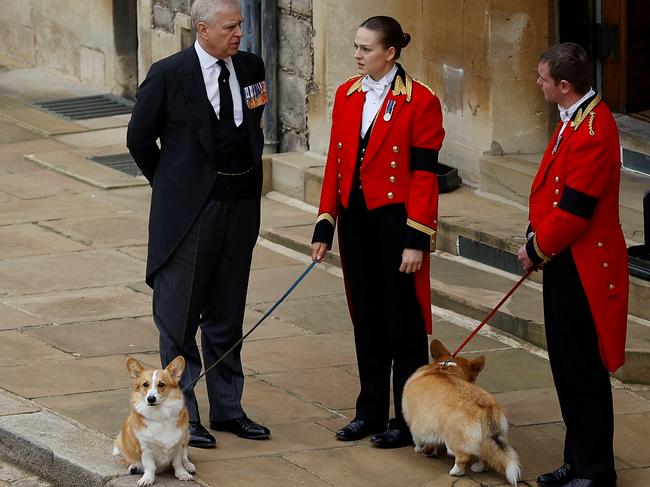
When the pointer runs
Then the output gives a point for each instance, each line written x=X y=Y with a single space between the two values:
x=295 y=72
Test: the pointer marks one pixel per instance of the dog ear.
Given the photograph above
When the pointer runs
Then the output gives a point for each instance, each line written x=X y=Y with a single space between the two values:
x=134 y=367
x=438 y=350
x=476 y=366
x=176 y=367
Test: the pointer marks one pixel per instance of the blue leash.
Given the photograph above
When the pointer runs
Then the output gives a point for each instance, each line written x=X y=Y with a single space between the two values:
x=266 y=315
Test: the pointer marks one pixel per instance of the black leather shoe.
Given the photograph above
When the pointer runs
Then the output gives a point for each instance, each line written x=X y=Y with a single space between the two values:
x=242 y=427
x=557 y=478
x=392 y=438
x=200 y=437
x=358 y=429
x=591 y=483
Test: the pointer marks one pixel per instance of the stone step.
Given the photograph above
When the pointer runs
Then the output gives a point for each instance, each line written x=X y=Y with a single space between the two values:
x=459 y=285
x=510 y=177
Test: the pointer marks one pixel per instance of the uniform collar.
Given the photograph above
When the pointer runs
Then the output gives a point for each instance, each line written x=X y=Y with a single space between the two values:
x=567 y=114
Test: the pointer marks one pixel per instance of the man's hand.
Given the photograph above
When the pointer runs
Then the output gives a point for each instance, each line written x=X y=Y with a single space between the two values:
x=411 y=260
x=524 y=260
x=318 y=251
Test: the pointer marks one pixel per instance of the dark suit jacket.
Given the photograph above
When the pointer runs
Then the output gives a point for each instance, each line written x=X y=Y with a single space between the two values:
x=172 y=105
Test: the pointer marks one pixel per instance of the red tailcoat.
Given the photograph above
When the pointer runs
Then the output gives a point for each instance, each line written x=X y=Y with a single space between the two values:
x=574 y=204
x=399 y=162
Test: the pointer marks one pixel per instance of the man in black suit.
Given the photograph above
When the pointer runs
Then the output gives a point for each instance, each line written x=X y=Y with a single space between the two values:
x=205 y=106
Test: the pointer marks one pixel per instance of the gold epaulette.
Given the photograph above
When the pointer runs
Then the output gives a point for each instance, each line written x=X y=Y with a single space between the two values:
x=356 y=86
x=582 y=115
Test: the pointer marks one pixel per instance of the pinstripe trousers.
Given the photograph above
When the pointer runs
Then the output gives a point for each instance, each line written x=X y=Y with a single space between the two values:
x=204 y=284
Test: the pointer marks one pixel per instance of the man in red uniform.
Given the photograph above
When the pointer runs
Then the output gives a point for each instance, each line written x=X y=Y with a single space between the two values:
x=575 y=235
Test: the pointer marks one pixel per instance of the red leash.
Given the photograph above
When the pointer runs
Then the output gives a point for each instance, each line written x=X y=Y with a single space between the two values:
x=490 y=314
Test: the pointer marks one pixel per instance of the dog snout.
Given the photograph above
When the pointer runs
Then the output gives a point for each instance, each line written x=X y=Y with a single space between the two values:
x=151 y=399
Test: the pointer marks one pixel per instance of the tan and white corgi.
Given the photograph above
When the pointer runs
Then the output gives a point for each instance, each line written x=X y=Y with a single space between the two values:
x=155 y=434
x=443 y=406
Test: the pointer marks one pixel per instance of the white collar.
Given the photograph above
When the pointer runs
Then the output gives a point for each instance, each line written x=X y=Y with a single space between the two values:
x=567 y=113
x=386 y=80
x=207 y=60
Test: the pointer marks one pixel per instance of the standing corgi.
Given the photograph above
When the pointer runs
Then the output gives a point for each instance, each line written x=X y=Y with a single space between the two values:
x=442 y=405
x=155 y=434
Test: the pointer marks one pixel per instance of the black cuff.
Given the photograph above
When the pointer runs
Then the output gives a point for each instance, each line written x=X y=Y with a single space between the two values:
x=529 y=230
x=532 y=253
x=424 y=159
x=323 y=232
x=415 y=239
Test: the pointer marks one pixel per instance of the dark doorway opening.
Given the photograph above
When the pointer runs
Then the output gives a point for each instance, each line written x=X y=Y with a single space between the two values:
x=125 y=32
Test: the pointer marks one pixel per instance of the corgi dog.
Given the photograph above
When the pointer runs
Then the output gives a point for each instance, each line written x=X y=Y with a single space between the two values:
x=155 y=434
x=443 y=406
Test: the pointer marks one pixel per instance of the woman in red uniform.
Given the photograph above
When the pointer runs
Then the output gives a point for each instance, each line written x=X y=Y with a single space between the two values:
x=381 y=186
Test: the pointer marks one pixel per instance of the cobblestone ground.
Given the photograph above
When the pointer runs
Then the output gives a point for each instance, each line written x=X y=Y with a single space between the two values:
x=12 y=476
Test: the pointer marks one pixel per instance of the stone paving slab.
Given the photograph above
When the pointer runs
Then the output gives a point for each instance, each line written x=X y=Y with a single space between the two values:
x=122 y=230
x=13 y=404
x=17 y=348
x=96 y=138
x=28 y=240
x=268 y=285
x=40 y=184
x=18 y=113
x=12 y=155
x=12 y=318
x=49 y=378
x=267 y=471
x=269 y=328
x=293 y=353
x=10 y=132
x=76 y=165
x=631 y=433
x=74 y=270
x=99 y=123
x=85 y=305
x=56 y=207
x=99 y=338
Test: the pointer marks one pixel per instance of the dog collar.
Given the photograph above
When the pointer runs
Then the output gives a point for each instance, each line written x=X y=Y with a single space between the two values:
x=447 y=364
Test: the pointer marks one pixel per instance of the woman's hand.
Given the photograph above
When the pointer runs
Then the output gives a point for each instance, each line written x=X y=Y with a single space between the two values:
x=318 y=251
x=411 y=260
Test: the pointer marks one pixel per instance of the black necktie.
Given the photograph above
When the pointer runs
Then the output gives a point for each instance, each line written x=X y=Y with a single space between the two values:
x=226 y=113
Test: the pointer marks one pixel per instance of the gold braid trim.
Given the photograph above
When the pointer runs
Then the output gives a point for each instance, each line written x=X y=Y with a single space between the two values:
x=582 y=114
x=592 y=115
x=356 y=86
x=326 y=216
x=545 y=258
x=420 y=227
x=426 y=86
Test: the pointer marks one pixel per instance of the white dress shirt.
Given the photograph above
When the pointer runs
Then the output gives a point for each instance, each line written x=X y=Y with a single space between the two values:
x=376 y=92
x=211 y=71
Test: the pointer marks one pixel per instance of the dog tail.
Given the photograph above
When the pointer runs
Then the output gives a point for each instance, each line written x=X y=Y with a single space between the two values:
x=497 y=452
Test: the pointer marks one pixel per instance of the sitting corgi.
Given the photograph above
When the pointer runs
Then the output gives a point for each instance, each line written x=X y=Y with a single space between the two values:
x=442 y=405
x=155 y=434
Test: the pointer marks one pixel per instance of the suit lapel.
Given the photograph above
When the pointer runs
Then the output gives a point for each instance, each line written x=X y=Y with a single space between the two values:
x=191 y=78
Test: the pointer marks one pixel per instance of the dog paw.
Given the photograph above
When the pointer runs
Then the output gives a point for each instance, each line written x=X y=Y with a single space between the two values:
x=146 y=480
x=478 y=466
x=183 y=475
x=456 y=471
x=189 y=466
x=135 y=468
x=419 y=448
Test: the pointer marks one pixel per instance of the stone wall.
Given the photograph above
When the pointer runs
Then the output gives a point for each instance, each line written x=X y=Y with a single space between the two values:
x=76 y=39
x=479 y=56
x=295 y=73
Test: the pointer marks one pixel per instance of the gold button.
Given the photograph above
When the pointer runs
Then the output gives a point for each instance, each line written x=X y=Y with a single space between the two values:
x=557 y=191
x=339 y=191
x=612 y=286
x=361 y=158
x=339 y=175
x=600 y=244
x=339 y=160
x=340 y=146
x=392 y=179
x=605 y=265
x=390 y=195
x=393 y=164
x=363 y=150
x=552 y=254
x=395 y=149
x=555 y=204
x=557 y=179
x=435 y=222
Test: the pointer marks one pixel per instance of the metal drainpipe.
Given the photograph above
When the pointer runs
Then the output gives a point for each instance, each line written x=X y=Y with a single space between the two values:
x=269 y=29
x=251 y=13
